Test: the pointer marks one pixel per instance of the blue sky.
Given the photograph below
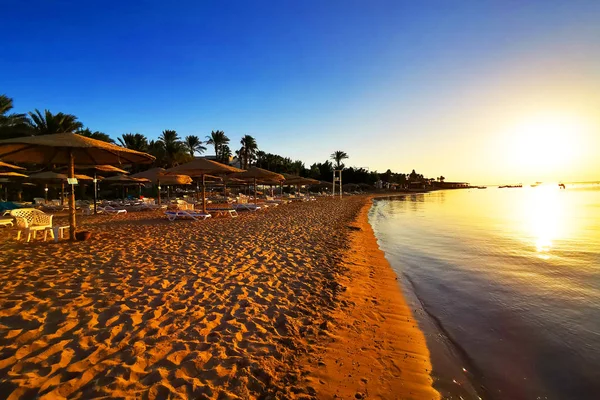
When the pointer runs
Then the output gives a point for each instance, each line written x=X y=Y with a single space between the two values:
x=400 y=85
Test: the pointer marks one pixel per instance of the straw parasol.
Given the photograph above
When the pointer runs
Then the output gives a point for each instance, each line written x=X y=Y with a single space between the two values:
x=101 y=168
x=69 y=149
x=12 y=175
x=7 y=165
x=55 y=177
x=255 y=173
x=157 y=177
x=201 y=167
x=6 y=177
x=124 y=180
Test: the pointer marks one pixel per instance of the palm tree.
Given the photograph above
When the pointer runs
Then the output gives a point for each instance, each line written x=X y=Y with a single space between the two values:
x=134 y=141
x=95 y=135
x=193 y=144
x=338 y=156
x=48 y=123
x=225 y=154
x=174 y=148
x=218 y=139
x=248 y=150
x=11 y=125
x=260 y=158
x=156 y=148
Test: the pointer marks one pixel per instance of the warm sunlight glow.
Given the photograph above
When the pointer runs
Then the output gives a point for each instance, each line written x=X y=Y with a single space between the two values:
x=544 y=217
x=547 y=143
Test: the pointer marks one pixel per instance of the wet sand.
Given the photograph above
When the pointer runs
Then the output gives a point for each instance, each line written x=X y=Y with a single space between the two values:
x=255 y=307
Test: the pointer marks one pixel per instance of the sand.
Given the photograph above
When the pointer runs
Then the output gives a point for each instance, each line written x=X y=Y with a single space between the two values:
x=224 y=308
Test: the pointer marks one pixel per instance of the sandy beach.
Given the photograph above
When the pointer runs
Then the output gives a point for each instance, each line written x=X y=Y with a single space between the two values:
x=292 y=302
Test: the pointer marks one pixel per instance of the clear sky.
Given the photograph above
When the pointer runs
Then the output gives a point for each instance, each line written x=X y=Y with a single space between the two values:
x=484 y=91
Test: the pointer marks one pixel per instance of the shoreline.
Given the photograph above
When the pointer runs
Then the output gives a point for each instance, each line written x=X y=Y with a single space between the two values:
x=223 y=308
x=377 y=349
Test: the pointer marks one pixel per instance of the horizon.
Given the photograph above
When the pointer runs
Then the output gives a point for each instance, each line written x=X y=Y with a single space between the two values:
x=497 y=92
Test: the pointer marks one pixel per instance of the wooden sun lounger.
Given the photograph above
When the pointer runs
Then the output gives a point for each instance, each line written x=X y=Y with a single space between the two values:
x=181 y=214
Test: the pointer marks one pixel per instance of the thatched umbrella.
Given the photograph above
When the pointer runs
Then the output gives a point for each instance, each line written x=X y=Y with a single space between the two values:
x=9 y=166
x=47 y=177
x=12 y=175
x=157 y=176
x=298 y=181
x=69 y=149
x=124 y=180
x=254 y=174
x=7 y=176
x=201 y=167
x=101 y=168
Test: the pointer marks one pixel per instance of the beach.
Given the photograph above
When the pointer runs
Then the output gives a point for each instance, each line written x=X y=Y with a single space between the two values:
x=293 y=302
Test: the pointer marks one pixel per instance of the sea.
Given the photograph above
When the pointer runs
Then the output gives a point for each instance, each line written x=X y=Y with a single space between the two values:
x=505 y=284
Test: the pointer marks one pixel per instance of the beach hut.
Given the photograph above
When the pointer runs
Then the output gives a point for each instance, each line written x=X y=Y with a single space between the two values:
x=201 y=167
x=256 y=174
x=68 y=149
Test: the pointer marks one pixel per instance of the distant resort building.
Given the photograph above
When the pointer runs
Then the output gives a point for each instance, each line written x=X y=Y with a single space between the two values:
x=450 y=185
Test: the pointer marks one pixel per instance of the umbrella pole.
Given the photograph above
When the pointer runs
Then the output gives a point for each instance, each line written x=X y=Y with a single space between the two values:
x=46 y=193
x=62 y=193
x=158 y=182
x=72 y=222
x=254 y=190
x=203 y=195
x=95 y=193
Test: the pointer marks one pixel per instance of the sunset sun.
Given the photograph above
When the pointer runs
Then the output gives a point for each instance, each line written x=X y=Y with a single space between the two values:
x=546 y=143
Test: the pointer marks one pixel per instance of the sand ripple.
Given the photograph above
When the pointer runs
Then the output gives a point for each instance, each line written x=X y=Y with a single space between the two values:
x=148 y=308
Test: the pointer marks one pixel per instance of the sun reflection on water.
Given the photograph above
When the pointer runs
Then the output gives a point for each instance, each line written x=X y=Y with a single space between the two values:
x=544 y=218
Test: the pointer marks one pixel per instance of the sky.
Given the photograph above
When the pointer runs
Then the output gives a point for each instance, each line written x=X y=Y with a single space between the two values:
x=479 y=91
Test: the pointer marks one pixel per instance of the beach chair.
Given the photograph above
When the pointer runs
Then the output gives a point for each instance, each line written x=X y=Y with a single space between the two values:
x=184 y=205
x=110 y=210
x=172 y=215
x=223 y=212
x=32 y=221
x=243 y=204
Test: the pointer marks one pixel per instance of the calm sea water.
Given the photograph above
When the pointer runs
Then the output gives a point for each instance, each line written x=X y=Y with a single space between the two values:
x=509 y=282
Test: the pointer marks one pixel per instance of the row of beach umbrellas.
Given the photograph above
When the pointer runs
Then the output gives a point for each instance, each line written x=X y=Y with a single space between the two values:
x=86 y=153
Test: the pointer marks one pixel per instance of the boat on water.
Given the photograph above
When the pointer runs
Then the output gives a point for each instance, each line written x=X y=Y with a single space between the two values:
x=536 y=184
x=510 y=186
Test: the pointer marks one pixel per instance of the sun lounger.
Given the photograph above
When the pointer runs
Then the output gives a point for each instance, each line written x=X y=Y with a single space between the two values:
x=182 y=214
x=246 y=206
x=111 y=210
x=223 y=212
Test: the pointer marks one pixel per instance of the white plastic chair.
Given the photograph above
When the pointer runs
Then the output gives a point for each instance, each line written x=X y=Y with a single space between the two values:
x=32 y=221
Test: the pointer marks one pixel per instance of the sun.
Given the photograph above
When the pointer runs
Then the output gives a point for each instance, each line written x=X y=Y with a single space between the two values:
x=546 y=143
